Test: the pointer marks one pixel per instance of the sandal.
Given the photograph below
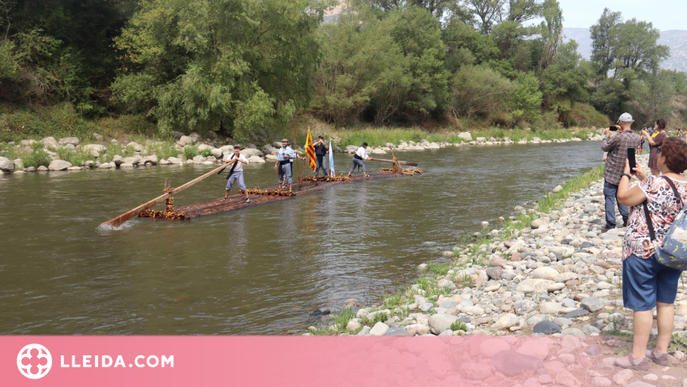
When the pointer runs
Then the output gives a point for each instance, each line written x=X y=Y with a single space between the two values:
x=635 y=364
x=658 y=358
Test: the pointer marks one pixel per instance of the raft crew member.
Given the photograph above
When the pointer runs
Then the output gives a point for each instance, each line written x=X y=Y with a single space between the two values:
x=283 y=164
x=320 y=151
x=358 y=157
x=236 y=173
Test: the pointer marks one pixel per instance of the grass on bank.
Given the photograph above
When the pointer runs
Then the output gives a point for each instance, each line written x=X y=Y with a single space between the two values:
x=477 y=248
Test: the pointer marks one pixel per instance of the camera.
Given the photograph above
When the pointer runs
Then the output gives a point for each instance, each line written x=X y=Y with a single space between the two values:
x=613 y=128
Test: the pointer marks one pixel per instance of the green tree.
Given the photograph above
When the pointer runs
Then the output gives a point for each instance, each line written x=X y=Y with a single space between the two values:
x=603 y=42
x=236 y=66
x=634 y=46
x=565 y=80
x=479 y=91
x=359 y=57
x=551 y=29
x=526 y=100
x=77 y=57
x=418 y=35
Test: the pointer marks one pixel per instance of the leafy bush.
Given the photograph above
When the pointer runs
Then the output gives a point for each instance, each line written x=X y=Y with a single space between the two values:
x=206 y=153
x=190 y=152
x=36 y=158
x=76 y=157
x=479 y=90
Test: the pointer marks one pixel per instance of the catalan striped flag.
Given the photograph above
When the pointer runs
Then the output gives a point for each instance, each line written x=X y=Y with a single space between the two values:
x=310 y=151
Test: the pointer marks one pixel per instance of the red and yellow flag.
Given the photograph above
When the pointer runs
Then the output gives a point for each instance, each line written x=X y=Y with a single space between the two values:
x=310 y=151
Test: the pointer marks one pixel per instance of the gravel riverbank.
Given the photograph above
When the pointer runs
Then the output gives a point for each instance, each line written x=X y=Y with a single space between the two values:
x=558 y=275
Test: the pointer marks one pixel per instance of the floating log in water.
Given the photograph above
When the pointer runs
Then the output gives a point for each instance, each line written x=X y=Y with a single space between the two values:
x=270 y=195
x=395 y=161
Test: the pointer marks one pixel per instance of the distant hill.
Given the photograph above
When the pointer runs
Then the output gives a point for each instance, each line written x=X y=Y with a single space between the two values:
x=675 y=39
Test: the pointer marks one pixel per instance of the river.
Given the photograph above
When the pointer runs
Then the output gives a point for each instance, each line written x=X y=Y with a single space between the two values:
x=256 y=271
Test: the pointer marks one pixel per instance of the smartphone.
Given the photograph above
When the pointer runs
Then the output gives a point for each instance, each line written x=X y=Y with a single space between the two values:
x=613 y=129
x=631 y=159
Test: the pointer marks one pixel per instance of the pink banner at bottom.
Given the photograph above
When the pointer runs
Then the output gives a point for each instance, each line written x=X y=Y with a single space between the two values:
x=318 y=361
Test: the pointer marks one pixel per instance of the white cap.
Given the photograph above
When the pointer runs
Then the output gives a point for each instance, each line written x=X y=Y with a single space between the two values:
x=626 y=117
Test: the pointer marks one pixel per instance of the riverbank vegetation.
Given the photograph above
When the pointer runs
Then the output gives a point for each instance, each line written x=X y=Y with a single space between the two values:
x=471 y=250
x=249 y=70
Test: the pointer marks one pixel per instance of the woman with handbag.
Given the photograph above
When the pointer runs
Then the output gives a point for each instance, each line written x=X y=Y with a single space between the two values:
x=646 y=282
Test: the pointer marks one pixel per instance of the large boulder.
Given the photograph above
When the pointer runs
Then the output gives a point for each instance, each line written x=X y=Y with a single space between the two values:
x=149 y=159
x=59 y=165
x=256 y=160
x=185 y=140
x=217 y=153
x=441 y=322
x=465 y=136
x=6 y=165
x=248 y=152
x=136 y=146
x=50 y=142
x=203 y=147
x=95 y=149
x=69 y=140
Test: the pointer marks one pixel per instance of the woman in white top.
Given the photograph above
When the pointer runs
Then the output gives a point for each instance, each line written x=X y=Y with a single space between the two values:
x=358 y=157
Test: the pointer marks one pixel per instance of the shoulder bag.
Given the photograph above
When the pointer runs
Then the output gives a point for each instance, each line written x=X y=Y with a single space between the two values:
x=673 y=251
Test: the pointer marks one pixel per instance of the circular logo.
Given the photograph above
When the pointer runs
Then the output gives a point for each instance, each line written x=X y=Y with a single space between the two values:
x=34 y=361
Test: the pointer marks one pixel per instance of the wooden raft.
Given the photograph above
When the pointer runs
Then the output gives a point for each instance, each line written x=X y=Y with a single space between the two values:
x=237 y=202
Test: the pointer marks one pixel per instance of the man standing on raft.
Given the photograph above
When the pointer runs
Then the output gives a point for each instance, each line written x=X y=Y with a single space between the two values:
x=283 y=164
x=358 y=157
x=236 y=173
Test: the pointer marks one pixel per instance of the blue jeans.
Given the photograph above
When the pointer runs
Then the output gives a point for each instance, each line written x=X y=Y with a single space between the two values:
x=357 y=163
x=320 y=164
x=611 y=195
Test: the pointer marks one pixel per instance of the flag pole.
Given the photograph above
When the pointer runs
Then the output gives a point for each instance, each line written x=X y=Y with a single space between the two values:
x=295 y=145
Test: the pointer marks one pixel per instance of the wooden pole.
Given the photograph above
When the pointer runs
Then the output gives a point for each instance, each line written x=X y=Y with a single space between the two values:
x=295 y=150
x=398 y=161
x=118 y=221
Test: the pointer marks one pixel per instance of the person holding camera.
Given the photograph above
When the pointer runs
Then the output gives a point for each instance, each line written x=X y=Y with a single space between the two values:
x=648 y=284
x=321 y=149
x=616 y=146
x=655 y=140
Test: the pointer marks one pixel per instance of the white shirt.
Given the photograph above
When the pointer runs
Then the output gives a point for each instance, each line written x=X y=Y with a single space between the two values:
x=239 y=166
x=362 y=153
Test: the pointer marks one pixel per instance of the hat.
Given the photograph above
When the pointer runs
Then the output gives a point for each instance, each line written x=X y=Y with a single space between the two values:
x=626 y=117
x=284 y=140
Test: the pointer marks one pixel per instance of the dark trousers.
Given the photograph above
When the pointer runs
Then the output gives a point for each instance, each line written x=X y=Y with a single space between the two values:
x=611 y=195
x=320 y=164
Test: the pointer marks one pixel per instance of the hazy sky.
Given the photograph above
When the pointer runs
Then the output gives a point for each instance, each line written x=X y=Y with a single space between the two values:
x=664 y=14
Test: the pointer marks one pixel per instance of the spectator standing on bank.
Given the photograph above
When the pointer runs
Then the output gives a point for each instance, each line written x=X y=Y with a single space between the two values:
x=616 y=146
x=655 y=140
x=320 y=151
x=647 y=284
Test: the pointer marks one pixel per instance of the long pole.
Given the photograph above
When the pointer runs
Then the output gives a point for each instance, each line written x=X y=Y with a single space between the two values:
x=295 y=150
x=116 y=222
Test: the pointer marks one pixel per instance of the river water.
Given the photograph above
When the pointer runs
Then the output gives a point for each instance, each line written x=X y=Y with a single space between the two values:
x=260 y=270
